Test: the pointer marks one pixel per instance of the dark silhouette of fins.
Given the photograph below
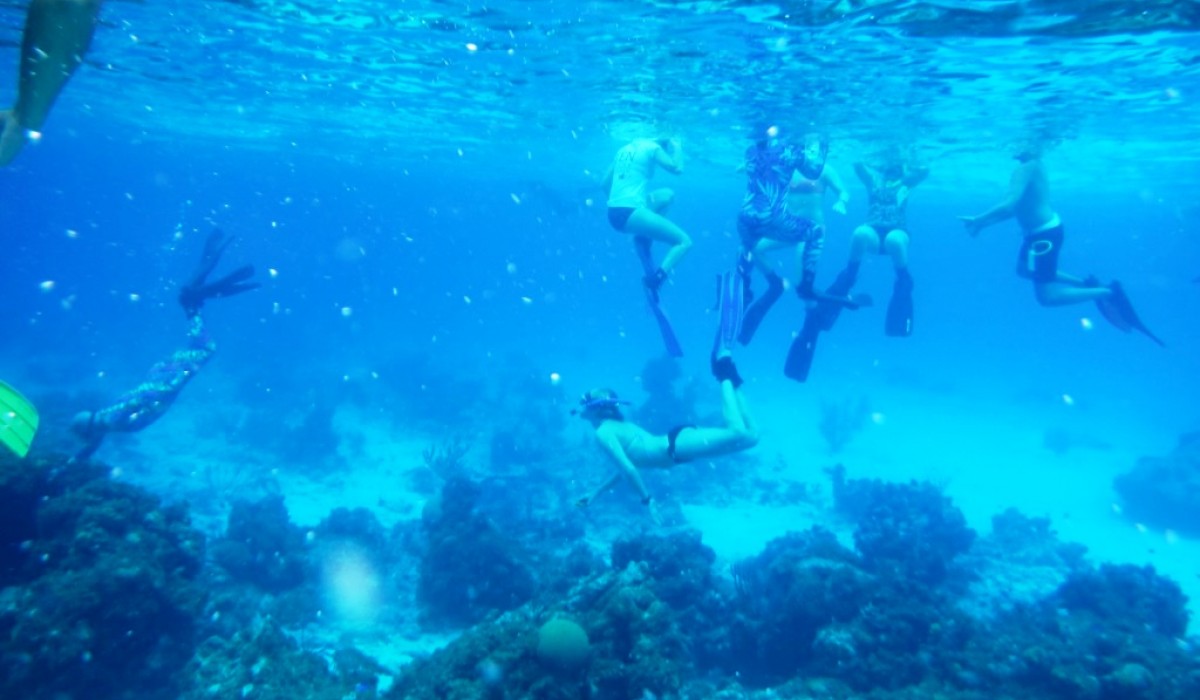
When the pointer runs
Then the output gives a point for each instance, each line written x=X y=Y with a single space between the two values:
x=670 y=340
x=800 y=354
x=899 y=322
x=757 y=310
x=1124 y=309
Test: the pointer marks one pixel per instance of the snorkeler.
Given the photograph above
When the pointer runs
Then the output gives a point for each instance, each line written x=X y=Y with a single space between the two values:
x=151 y=399
x=56 y=37
x=634 y=210
x=631 y=447
x=886 y=233
x=1028 y=201
x=768 y=221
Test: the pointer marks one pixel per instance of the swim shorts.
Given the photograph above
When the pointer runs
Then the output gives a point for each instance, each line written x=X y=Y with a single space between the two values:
x=776 y=226
x=672 y=436
x=1038 y=259
x=619 y=216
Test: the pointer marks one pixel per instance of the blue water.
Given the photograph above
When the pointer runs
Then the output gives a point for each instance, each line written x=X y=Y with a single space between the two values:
x=417 y=210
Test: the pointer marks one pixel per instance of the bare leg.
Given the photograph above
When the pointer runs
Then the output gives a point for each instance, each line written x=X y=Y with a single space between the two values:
x=648 y=222
x=736 y=436
x=57 y=35
x=1067 y=290
x=896 y=245
x=863 y=241
x=738 y=433
x=762 y=249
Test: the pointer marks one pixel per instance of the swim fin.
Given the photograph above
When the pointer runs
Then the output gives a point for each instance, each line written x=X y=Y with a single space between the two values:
x=670 y=340
x=18 y=420
x=730 y=300
x=198 y=289
x=757 y=310
x=899 y=322
x=804 y=346
x=827 y=311
x=1124 y=310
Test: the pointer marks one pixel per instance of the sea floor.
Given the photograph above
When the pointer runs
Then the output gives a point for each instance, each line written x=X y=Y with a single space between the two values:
x=988 y=458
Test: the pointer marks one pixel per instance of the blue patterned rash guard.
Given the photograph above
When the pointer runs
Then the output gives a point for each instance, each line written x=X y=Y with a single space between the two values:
x=151 y=399
x=770 y=166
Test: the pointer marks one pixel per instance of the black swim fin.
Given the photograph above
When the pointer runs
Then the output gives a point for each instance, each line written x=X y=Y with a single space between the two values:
x=899 y=323
x=198 y=289
x=804 y=346
x=1124 y=309
x=827 y=310
x=757 y=310
x=653 y=280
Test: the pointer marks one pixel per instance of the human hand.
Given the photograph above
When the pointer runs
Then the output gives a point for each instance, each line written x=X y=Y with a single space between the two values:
x=840 y=206
x=583 y=502
x=971 y=223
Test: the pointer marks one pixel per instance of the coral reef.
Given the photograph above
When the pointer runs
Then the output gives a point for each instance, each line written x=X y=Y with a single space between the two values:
x=635 y=651
x=903 y=530
x=262 y=663
x=106 y=594
x=262 y=547
x=563 y=644
x=1020 y=562
x=1165 y=491
x=799 y=583
x=468 y=568
x=109 y=590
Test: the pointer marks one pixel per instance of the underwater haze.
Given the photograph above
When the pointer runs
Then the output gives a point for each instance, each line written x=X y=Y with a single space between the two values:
x=371 y=490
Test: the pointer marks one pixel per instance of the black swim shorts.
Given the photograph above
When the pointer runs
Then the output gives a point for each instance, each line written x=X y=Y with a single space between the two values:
x=1038 y=259
x=619 y=216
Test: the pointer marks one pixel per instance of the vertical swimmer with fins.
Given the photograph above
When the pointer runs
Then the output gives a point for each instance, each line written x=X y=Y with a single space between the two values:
x=151 y=399
x=670 y=340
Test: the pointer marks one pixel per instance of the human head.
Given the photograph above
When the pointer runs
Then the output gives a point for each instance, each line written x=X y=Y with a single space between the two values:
x=1028 y=148
x=600 y=405
x=764 y=131
x=816 y=148
x=891 y=162
x=84 y=424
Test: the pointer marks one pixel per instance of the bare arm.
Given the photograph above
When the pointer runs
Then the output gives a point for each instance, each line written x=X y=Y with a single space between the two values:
x=606 y=183
x=864 y=174
x=916 y=177
x=671 y=162
x=613 y=448
x=1005 y=208
x=834 y=181
x=608 y=484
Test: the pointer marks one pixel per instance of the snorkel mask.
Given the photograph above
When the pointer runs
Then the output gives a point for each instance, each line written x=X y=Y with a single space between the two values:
x=816 y=149
x=600 y=402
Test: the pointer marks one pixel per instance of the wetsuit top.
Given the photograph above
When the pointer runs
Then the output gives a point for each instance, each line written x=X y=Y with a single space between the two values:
x=769 y=169
x=886 y=202
x=151 y=399
x=632 y=169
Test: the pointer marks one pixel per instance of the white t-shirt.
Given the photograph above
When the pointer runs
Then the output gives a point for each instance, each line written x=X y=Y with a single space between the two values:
x=632 y=169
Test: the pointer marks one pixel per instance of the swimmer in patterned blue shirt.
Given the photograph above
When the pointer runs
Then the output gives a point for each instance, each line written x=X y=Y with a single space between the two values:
x=152 y=398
